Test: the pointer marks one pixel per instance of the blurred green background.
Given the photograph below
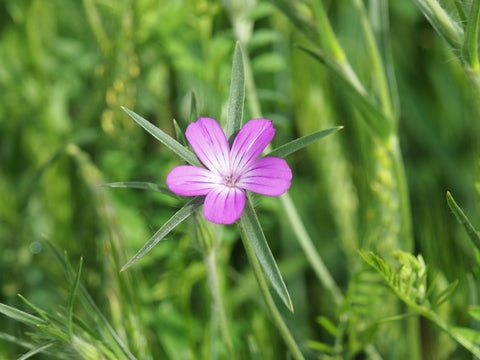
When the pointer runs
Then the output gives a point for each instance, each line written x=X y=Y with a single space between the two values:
x=66 y=67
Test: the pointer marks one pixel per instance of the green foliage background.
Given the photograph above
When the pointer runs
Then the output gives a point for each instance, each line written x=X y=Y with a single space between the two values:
x=66 y=67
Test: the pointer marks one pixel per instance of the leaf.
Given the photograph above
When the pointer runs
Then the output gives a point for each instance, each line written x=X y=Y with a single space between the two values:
x=445 y=294
x=254 y=234
x=38 y=350
x=322 y=347
x=179 y=133
x=106 y=329
x=441 y=21
x=193 y=106
x=164 y=138
x=468 y=338
x=54 y=332
x=271 y=62
x=300 y=143
x=462 y=218
x=297 y=12
x=374 y=117
x=76 y=282
x=475 y=313
x=328 y=325
x=35 y=308
x=237 y=93
x=176 y=219
x=471 y=36
x=141 y=185
x=19 y=315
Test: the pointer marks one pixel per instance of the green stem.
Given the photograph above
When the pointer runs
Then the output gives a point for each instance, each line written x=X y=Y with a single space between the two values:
x=402 y=188
x=276 y=317
x=376 y=61
x=212 y=276
x=299 y=229
x=309 y=249
x=441 y=22
x=471 y=36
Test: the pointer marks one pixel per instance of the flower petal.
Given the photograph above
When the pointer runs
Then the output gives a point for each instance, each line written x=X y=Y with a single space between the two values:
x=249 y=143
x=190 y=180
x=210 y=144
x=224 y=205
x=268 y=176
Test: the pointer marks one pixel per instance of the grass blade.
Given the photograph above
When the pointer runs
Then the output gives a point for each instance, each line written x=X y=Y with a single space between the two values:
x=462 y=218
x=142 y=186
x=104 y=327
x=164 y=138
x=253 y=232
x=441 y=21
x=300 y=143
x=176 y=219
x=38 y=350
x=471 y=35
x=76 y=282
x=375 y=118
x=237 y=93
x=193 y=106
x=19 y=315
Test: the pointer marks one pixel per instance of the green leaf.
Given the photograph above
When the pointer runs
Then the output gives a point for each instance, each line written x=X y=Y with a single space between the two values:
x=16 y=340
x=179 y=133
x=445 y=294
x=35 y=308
x=253 y=232
x=143 y=186
x=193 y=106
x=462 y=218
x=374 y=117
x=271 y=62
x=19 y=315
x=76 y=282
x=176 y=219
x=164 y=138
x=322 y=347
x=38 y=350
x=441 y=21
x=299 y=14
x=237 y=93
x=109 y=336
x=300 y=143
x=54 y=332
x=328 y=325
x=475 y=313
x=468 y=338
x=461 y=12
x=471 y=35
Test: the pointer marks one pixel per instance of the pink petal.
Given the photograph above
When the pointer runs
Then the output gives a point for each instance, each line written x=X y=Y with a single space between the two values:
x=210 y=144
x=268 y=176
x=224 y=205
x=249 y=143
x=190 y=180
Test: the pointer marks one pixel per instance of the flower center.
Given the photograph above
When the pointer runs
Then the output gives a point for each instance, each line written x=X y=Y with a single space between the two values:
x=229 y=181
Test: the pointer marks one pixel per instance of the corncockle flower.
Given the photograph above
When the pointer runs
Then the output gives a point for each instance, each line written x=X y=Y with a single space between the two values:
x=229 y=171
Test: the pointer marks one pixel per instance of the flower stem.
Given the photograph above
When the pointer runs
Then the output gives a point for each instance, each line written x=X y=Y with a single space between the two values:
x=212 y=275
x=309 y=249
x=276 y=317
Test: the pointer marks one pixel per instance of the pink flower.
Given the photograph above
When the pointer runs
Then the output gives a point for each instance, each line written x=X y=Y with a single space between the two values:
x=229 y=171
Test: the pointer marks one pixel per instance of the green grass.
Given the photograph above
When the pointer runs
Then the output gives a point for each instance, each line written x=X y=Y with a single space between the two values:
x=376 y=261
